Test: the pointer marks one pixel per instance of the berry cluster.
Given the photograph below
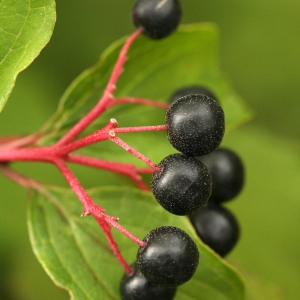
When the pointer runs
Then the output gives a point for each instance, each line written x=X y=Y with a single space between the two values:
x=195 y=127
x=215 y=224
x=183 y=183
x=193 y=182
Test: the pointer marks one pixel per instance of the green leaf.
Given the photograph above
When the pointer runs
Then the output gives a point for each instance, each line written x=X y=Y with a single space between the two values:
x=76 y=255
x=25 y=28
x=154 y=70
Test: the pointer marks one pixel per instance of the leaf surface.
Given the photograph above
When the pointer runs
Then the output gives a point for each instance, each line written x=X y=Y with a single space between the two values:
x=76 y=255
x=25 y=28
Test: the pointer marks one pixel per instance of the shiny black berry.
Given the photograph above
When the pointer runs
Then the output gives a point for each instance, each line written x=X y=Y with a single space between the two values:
x=193 y=89
x=135 y=286
x=158 y=18
x=196 y=124
x=217 y=227
x=227 y=172
x=182 y=185
x=170 y=257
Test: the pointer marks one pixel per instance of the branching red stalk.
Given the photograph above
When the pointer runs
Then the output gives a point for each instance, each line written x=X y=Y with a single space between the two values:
x=106 y=133
x=58 y=156
x=17 y=149
x=33 y=184
x=47 y=154
x=107 y=95
x=89 y=206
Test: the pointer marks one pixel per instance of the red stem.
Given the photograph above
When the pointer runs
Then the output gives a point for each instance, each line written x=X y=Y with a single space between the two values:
x=112 y=222
x=106 y=133
x=44 y=154
x=89 y=206
x=59 y=153
x=113 y=245
x=30 y=183
x=47 y=154
x=122 y=168
x=140 y=129
x=109 y=90
x=131 y=150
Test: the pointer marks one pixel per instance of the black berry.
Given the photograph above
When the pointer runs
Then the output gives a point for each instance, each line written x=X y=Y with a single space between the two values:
x=196 y=124
x=188 y=90
x=170 y=257
x=227 y=172
x=182 y=185
x=136 y=287
x=217 y=227
x=158 y=18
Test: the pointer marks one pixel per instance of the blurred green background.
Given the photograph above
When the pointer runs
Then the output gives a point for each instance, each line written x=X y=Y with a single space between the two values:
x=259 y=50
